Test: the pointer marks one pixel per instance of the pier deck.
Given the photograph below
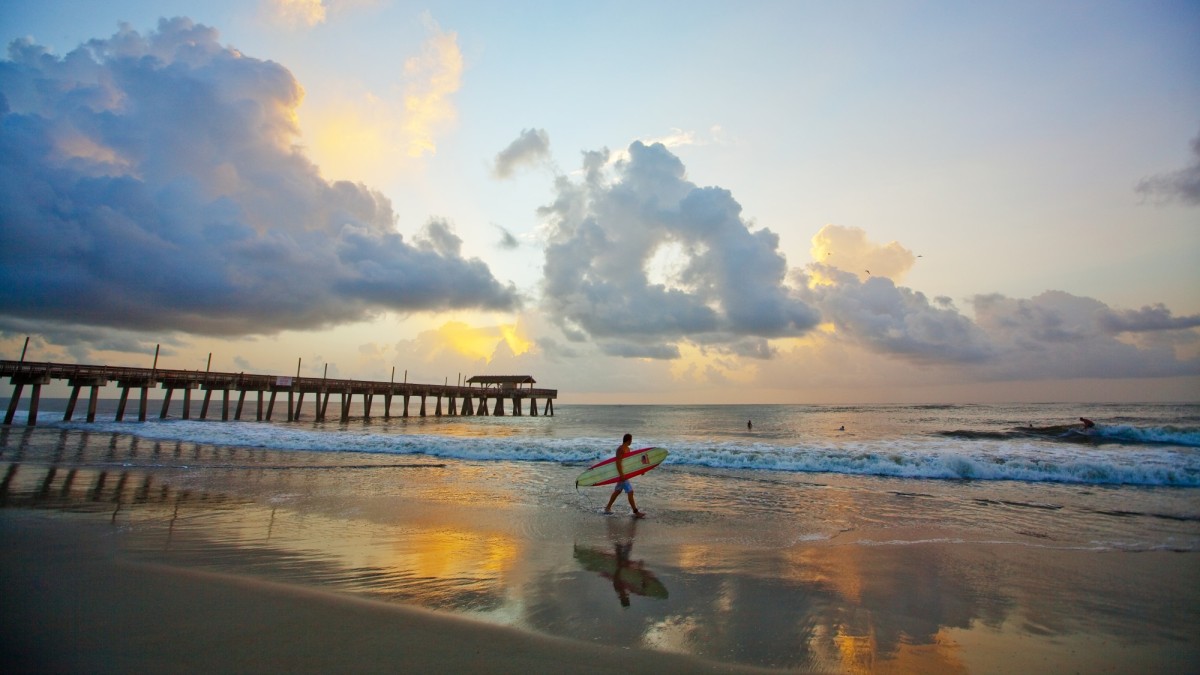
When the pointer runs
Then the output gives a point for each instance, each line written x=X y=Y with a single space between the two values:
x=489 y=398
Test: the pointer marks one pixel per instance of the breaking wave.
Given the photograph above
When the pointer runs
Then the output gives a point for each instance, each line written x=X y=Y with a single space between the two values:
x=1166 y=461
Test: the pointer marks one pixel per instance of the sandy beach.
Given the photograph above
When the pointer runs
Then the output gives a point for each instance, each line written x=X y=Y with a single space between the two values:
x=73 y=606
x=124 y=554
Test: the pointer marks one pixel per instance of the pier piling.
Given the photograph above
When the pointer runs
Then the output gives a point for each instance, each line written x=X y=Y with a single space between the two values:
x=480 y=395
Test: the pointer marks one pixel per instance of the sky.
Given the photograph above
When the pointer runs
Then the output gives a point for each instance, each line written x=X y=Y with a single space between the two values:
x=633 y=202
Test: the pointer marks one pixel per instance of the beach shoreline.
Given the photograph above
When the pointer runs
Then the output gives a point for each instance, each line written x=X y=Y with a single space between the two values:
x=74 y=605
x=153 y=553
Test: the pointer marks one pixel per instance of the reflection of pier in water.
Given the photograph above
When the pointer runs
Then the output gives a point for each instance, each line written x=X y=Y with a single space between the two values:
x=493 y=389
x=253 y=511
x=86 y=481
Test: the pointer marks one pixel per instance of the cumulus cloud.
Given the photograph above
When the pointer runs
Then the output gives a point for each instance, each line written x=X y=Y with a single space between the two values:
x=1057 y=334
x=378 y=134
x=643 y=263
x=295 y=13
x=1183 y=184
x=847 y=248
x=897 y=321
x=605 y=236
x=1149 y=318
x=531 y=147
x=155 y=182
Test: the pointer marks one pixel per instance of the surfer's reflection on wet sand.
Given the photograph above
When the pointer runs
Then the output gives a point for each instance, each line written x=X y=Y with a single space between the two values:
x=627 y=576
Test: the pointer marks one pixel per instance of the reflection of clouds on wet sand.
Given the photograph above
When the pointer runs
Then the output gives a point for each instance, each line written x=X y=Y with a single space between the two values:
x=853 y=607
x=472 y=538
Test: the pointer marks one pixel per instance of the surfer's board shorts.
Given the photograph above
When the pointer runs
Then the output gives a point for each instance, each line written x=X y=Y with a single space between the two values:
x=623 y=486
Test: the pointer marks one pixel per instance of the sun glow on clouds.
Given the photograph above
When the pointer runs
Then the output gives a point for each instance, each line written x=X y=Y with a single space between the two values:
x=432 y=77
x=480 y=344
x=296 y=13
x=365 y=135
x=707 y=366
x=849 y=249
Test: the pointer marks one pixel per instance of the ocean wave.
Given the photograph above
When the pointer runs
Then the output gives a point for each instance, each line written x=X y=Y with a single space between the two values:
x=995 y=461
x=1125 y=434
x=985 y=458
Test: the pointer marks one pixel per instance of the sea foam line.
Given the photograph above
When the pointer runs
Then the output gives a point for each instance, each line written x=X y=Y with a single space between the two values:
x=900 y=458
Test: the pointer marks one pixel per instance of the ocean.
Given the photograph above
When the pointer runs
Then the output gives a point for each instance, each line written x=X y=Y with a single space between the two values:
x=1139 y=461
x=775 y=532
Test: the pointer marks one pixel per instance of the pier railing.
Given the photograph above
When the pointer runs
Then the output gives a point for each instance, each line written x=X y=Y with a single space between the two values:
x=461 y=400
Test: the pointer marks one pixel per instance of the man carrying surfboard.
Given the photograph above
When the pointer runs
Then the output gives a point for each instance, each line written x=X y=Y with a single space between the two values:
x=623 y=484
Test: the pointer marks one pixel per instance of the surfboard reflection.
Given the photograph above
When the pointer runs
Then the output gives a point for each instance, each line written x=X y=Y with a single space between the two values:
x=627 y=575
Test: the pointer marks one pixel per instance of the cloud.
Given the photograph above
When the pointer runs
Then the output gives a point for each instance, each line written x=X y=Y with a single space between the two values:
x=295 y=13
x=55 y=342
x=1183 y=184
x=507 y=242
x=897 y=321
x=155 y=182
x=531 y=147
x=605 y=237
x=643 y=264
x=432 y=77
x=378 y=135
x=1057 y=334
x=847 y=248
x=458 y=341
x=1149 y=318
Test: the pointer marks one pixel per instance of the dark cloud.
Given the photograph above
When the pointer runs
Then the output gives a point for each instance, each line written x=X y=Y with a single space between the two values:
x=532 y=146
x=1149 y=318
x=898 y=321
x=727 y=284
x=507 y=241
x=58 y=341
x=1057 y=334
x=155 y=182
x=1183 y=184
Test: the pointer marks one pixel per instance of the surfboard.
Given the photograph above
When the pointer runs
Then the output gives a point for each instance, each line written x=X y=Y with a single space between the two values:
x=634 y=464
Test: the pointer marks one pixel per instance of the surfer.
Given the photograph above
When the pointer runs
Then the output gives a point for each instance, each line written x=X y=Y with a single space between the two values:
x=749 y=425
x=1087 y=424
x=623 y=484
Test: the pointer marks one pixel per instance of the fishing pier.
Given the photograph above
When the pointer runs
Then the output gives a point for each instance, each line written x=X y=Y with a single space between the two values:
x=480 y=395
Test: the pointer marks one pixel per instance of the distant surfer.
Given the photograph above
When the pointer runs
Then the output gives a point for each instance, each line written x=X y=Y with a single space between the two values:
x=1087 y=424
x=842 y=428
x=623 y=484
x=749 y=425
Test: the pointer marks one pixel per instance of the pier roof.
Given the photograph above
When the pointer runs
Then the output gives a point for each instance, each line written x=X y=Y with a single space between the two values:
x=501 y=379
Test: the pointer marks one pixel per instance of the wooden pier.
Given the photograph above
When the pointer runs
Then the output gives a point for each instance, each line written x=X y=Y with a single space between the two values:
x=482 y=394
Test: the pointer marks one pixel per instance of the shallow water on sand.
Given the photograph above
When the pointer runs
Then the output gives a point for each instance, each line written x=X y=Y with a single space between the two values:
x=811 y=570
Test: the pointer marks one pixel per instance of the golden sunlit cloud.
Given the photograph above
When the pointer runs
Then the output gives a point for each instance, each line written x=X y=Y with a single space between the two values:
x=295 y=13
x=365 y=135
x=432 y=77
x=848 y=249
x=478 y=344
x=707 y=366
x=72 y=145
x=516 y=342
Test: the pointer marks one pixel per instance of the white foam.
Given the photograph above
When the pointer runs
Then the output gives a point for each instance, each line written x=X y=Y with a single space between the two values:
x=934 y=458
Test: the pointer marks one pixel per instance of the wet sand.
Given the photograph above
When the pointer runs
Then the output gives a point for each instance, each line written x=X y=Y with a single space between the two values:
x=73 y=606
x=126 y=555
